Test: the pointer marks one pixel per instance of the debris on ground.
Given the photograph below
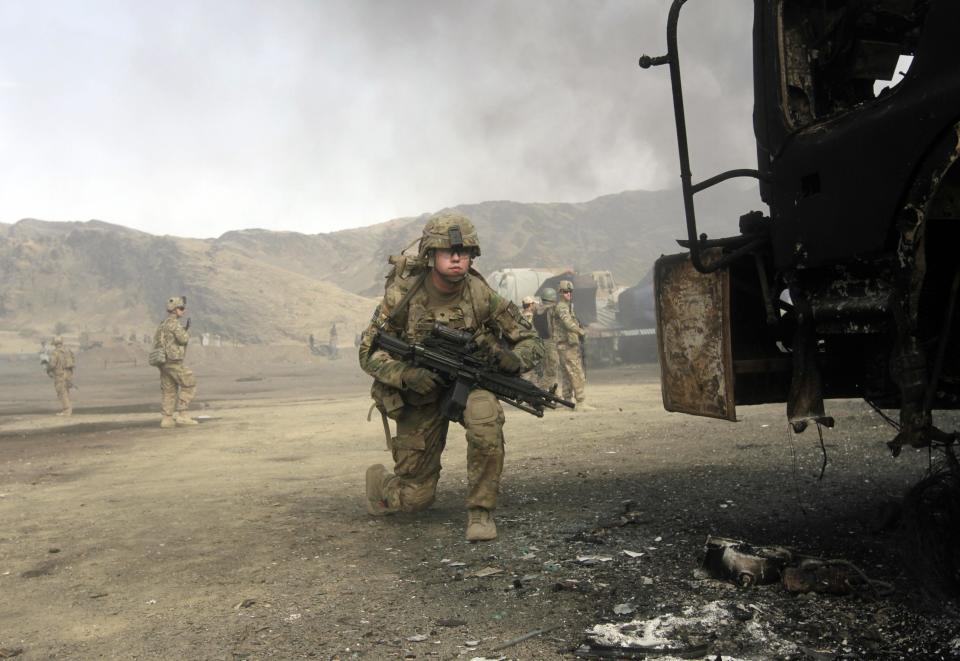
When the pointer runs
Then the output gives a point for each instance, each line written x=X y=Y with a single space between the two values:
x=746 y=565
x=486 y=571
x=742 y=563
x=690 y=635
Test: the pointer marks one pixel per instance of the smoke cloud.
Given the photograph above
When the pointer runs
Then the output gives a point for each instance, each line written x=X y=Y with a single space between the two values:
x=196 y=118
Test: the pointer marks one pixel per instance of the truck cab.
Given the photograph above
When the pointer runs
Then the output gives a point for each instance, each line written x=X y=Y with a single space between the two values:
x=846 y=285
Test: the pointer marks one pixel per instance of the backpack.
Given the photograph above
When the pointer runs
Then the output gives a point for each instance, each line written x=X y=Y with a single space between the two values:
x=158 y=355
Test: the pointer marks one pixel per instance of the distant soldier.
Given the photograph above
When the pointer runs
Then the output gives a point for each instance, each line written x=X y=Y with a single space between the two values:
x=177 y=383
x=332 y=342
x=529 y=303
x=567 y=332
x=529 y=307
x=60 y=368
x=544 y=323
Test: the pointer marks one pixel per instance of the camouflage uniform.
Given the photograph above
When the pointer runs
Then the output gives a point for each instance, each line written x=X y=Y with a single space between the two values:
x=551 y=360
x=60 y=367
x=534 y=376
x=421 y=428
x=177 y=383
x=567 y=334
x=529 y=305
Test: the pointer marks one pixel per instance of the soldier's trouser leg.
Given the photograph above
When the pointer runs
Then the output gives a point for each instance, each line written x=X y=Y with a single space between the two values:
x=550 y=367
x=178 y=386
x=483 y=419
x=572 y=371
x=188 y=388
x=420 y=439
x=63 y=392
x=168 y=392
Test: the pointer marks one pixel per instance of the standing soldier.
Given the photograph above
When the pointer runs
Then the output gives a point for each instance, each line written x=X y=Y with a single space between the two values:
x=177 y=383
x=551 y=373
x=60 y=367
x=440 y=286
x=534 y=376
x=568 y=332
x=332 y=342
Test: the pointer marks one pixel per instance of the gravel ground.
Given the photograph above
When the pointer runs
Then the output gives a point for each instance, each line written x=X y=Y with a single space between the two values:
x=246 y=537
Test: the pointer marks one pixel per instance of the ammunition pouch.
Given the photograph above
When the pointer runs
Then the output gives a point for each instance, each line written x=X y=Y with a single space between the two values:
x=387 y=399
x=157 y=357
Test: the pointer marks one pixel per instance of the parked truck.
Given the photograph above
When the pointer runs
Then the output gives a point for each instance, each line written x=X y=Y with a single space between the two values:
x=846 y=285
x=619 y=321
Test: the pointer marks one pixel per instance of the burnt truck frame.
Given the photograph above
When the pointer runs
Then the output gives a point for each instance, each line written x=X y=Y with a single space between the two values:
x=848 y=286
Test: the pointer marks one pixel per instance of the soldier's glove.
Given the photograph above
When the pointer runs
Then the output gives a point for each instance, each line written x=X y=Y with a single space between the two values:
x=509 y=362
x=419 y=380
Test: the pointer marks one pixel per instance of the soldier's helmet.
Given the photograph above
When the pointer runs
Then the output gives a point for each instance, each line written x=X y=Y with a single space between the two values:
x=566 y=285
x=528 y=300
x=175 y=302
x=58 y=341
x=549 y=295
x=449 y=230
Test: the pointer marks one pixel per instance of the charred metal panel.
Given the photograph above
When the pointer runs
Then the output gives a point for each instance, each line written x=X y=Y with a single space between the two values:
x=838 y=161
x=693 y=335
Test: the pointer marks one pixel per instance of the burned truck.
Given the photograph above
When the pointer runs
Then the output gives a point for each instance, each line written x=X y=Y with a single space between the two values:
x=847 y=285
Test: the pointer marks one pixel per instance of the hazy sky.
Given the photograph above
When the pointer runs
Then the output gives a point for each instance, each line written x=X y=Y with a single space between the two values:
x=198 y=117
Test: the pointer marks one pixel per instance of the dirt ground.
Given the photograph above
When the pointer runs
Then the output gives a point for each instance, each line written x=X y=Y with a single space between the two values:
x=246 y=537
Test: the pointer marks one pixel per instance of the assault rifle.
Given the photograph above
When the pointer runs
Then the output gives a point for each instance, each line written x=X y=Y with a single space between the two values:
x=451 y=353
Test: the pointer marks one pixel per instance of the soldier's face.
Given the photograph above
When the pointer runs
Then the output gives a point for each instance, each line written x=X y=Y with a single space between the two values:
x=451 y=263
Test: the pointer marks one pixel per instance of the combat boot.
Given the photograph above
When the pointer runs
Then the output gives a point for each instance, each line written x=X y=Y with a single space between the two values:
x=376 y=503
x=66 y=412
x=167 y=421
x=183 y=420
x=583 y=406
x=480 y=525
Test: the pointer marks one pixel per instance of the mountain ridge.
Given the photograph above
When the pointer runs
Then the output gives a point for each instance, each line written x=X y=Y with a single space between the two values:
x=263 y=286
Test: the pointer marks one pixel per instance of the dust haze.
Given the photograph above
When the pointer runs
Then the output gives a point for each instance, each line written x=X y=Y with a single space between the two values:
x=194 y=119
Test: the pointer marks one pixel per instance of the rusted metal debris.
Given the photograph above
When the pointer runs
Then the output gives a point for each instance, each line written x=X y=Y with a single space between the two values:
x=744 y=564
x=747 y=565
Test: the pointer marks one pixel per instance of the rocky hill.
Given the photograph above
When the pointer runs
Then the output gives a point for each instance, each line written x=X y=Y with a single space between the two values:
x=624 y=233
x=259 y=286
x=106 y=279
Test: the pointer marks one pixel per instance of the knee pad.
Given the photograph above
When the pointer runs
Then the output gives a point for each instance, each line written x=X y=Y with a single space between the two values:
x=483 y=419
x=482 y=409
